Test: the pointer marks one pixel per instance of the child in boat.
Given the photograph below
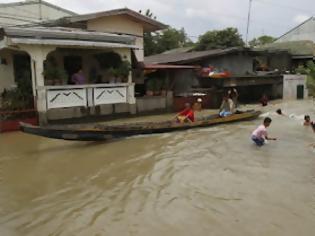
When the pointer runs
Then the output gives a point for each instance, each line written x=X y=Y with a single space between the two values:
x=187 y=115
x=260 y=134
x=307 y=120
x=198 y=105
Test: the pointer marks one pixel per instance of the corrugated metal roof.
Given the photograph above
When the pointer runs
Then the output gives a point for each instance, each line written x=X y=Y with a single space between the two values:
x=70 y=43
x=61 y=33
x=188 y=57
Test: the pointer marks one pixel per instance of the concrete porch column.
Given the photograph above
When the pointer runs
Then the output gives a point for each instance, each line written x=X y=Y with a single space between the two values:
x=131 y=96
x=38 y=55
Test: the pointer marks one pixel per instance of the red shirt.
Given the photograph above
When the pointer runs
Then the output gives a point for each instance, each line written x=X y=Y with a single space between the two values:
x=189 y=113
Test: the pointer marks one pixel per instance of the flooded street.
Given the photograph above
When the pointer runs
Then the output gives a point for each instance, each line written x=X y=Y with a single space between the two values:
x=210 y=181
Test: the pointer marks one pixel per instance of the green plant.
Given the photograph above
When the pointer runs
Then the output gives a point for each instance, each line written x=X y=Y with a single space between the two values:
x=155 y=84
x=123 y=69
x=301 y=70
x=150 y=85
x=108 y=60
x=20 y=97
x=311 y=77
x=53 y=72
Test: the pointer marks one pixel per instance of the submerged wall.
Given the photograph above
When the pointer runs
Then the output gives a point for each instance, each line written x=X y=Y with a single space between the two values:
x=291 y=85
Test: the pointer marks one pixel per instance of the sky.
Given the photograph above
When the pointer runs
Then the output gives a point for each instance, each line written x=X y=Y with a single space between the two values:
x=268 y=17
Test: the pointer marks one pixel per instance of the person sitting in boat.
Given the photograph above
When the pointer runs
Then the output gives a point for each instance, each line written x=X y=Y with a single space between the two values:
x=233 y=94
x=198 y=105
x=187 y=115
x=227 y=107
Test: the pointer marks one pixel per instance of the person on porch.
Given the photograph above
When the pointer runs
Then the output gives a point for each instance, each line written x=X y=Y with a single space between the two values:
x=78 y=77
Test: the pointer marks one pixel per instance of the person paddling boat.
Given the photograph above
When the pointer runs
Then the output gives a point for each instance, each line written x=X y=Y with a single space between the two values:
x=186 y=115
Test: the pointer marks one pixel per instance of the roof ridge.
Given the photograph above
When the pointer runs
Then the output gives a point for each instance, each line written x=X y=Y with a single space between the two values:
x=309 y=19
x=13 y=4
x=118 y=11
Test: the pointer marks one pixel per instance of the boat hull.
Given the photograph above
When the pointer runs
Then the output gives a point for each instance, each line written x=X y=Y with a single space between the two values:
x=105 y=132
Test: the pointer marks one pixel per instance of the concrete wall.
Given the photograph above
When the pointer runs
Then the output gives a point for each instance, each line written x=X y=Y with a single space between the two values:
x=237 y=64
x=143 y=105
x=6 y=71
x=305 y=31
x=183 y=80
x=290 y=83
x=120 y=24
x=29 y=13
x=281 y=61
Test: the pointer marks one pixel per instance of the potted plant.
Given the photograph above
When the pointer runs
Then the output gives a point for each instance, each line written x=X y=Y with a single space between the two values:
x=150 y=85
x=61 y=76
x=111 y=74
x=123 y=70
x=54 y=75
x=18 y=105
x=164 y=87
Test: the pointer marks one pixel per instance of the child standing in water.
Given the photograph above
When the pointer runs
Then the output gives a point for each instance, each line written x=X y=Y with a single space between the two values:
x=260 y=134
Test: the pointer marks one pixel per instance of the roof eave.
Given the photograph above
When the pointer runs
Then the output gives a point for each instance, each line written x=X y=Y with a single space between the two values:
x=144 y=20
x=67 y=43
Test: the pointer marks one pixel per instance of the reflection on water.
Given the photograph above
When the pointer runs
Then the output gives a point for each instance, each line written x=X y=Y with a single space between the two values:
x=184 y=183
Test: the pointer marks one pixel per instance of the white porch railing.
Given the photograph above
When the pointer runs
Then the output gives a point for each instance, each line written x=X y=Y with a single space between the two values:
x=89 y=95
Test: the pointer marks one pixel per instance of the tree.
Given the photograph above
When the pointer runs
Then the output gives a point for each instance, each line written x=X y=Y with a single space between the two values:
x=171 y=38
x=158 y=42
x=262 y=40
x=229 y=37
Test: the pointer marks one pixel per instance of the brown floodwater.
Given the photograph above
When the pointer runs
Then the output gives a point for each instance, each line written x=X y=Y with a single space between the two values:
x=210 y=181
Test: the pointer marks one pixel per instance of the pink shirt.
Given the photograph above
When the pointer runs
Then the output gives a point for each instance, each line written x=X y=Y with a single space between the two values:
x=260 y=132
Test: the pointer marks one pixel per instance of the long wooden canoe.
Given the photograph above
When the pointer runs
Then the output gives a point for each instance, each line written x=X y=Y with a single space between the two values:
x=105 y=132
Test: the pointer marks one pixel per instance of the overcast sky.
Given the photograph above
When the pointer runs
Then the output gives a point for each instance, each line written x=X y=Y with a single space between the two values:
x=271 y=17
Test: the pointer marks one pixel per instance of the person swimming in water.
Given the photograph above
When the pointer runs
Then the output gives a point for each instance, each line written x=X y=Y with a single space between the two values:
x=279 y=112
x=307 y=120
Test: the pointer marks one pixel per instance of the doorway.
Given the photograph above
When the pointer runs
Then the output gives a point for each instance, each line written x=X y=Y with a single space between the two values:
x=72 y=64
x=300 y=92
x=22 y=68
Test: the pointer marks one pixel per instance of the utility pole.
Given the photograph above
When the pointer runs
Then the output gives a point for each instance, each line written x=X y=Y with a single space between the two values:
x=248 y=20
x=40 y=10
